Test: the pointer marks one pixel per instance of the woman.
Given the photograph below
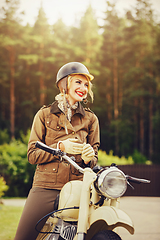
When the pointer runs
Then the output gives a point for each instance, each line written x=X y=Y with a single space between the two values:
x=65 y=125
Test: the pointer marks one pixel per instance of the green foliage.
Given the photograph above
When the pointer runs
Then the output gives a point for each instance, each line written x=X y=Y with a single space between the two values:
x=105 y=159
x=4 y=136
x=25 y=137
x=15 y=168
x=139 y=158
x=3 y=186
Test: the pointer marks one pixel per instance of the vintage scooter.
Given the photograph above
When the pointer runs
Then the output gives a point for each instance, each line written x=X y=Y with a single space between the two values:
x=89 y=209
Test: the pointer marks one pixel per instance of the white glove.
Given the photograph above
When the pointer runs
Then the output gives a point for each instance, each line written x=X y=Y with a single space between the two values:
x=87 y=153
x=71 y=146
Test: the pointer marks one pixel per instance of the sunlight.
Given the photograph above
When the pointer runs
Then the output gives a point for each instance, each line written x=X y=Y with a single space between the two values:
x=71 y=11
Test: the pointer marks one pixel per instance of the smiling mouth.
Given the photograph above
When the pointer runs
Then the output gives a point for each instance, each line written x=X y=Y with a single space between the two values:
x=80 y=94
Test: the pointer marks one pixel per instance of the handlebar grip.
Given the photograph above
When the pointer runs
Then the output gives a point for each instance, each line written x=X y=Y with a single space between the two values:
x=46 y=148
x=59 y=153
x=136 y=180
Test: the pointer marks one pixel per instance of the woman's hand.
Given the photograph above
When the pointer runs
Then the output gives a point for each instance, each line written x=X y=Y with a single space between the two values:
x=71 y=146
x=87 y=153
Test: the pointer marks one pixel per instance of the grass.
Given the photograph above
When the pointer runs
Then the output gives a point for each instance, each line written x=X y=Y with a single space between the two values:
x=9 y=219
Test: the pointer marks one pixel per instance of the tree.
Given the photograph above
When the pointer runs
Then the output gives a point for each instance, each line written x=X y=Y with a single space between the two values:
x=124 y=57
x=111 y=52
x=10 y=40
x=87 y=40
x=140 y=39
x=62 y=48
x=41 y=32
x=27 y=91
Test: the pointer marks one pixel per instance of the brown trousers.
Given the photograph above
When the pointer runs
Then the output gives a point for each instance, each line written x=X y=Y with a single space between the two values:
x=40 y=202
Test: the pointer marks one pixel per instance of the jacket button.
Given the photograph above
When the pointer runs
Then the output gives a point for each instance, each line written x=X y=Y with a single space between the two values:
x=45 y=169
x=57 y=127
x=73 y=132
x=54 y=169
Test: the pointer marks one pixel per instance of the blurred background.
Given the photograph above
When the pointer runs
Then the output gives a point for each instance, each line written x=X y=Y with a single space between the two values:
x=119 y=42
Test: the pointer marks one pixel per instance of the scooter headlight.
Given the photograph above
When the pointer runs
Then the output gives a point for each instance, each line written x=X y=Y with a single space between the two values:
x=111 y=183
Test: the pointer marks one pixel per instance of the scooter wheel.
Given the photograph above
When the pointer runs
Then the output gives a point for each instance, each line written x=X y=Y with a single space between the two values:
x=106 y=235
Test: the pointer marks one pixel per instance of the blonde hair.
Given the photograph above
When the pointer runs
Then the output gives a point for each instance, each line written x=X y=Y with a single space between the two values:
x=89 y=83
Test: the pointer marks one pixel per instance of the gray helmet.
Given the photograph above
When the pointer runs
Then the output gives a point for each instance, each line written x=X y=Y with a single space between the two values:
x=72 y=68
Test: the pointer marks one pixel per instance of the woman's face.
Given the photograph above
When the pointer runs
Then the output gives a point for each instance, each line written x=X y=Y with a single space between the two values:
x=78 y=89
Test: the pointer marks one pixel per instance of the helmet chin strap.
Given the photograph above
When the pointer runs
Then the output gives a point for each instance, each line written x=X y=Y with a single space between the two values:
x=65 y=109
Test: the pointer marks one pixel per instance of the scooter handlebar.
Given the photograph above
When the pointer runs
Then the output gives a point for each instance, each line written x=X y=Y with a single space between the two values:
x=136 y=180
x=58 y=152
x=47 y=148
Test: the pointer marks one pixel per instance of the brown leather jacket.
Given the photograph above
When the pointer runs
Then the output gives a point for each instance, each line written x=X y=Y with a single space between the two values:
x=49 y=128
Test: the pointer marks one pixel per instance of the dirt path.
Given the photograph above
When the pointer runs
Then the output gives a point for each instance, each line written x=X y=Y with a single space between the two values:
x=14 y=202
